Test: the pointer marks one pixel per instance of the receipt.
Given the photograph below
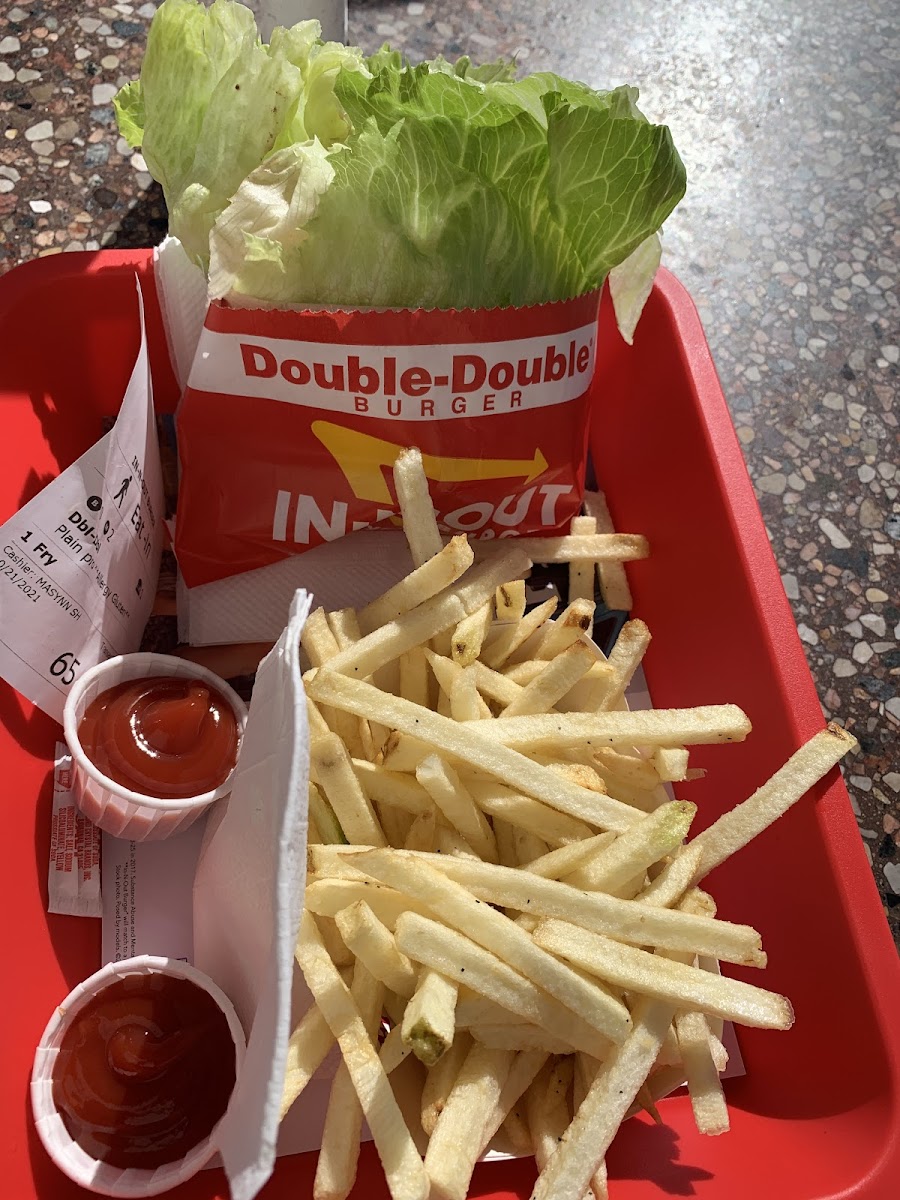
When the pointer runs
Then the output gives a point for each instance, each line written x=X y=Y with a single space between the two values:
x=79 y=563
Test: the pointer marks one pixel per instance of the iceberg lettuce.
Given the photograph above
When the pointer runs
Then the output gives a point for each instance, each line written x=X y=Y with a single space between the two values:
x=304 y=173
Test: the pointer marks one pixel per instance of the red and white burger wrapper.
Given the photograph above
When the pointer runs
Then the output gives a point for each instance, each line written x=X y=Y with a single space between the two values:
x=116 y=809
x=291 y=421
x=66 y=1153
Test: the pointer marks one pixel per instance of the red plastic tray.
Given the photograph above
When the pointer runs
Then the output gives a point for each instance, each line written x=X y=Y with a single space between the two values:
x=817 y=1113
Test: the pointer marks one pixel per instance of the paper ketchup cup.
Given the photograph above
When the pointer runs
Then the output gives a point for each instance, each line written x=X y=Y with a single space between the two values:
x=72 y=1160
x=117 y=809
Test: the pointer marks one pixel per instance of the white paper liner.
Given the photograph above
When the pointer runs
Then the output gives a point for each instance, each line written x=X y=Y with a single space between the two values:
x=116 y=809
x=253 y=606
x=66 y=1153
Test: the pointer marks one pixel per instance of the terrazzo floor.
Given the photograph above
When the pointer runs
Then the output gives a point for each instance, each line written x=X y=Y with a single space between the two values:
x=787 y=118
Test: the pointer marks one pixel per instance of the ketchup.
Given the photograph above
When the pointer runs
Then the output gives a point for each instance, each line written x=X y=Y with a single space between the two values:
x=144 y=1071
x=171 y=738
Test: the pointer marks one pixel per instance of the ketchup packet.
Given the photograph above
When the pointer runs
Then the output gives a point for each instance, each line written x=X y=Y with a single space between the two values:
x=291 y=421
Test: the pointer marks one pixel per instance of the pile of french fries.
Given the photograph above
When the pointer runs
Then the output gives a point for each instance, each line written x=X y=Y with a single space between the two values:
x=504 y=930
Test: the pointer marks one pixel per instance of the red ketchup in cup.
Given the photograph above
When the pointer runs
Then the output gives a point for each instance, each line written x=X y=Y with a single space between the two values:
x=161 y=736
x=144 y=1071
x=155 y=740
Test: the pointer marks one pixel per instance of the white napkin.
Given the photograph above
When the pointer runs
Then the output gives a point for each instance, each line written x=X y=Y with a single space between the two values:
x=248 y=895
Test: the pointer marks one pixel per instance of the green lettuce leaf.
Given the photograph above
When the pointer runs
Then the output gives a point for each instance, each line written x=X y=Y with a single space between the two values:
x=455 y=193
x=303 y=172
x=213 y=101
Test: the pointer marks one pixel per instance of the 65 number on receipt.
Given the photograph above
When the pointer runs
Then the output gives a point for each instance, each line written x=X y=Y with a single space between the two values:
x=79 y=563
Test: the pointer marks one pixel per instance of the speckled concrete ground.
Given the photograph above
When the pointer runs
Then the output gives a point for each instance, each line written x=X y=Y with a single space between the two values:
x=786 y=116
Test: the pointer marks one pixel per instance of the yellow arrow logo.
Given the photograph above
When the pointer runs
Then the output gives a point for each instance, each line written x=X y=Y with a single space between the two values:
x=363 y=459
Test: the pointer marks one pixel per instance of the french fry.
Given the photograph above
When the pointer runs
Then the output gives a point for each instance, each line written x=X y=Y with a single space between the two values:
x=528 y=846
x=581 y=571
x=444 y=949
x=373 y=944
x=524 y=1069
x=318 y=639
x=625 y=658
x=404 y=753
x=635 y=772
x=320 y=645
x=448 y=841
x=584 y=1144
x=587 y=694
x=404 y=1170
x=422 y=832
x=414 y=676
x=395 y=823
x=478 y=586
x=569 y=626
x=337 y=949
x=393 y=1051
x=322 y=813
x=524 y=813
x=453 y=1150
x=569 y=857
x=516 y=1133
x=472 y=1009
x=471 y=744
x=388 y=642
x=494 y=685
x=548 y=1109
x=709 y=724
x=553 y=682
x=704 y=1085
x=468 y=637
x=419 y=523
x=716 y=1047
x=453 y=799
x=495 y=932
x=440 y=1080
x=522 y=673
x=318 y=726
x=339 y=1152
x=506 y=639
x=429 y=1022
x=598 y=547
x=509 y=600
x=636 y=849
x=520 y=1037
x=394 y=1007
x=331 y=765
x=663 y=979
x=506 y=842
x=447 y=672
x=407 y=1083
x=308 y=1047
x=671 y=763
x=625 y=920
x=419 y=625
x=326 y=898
x=433 y=576
x=670 y=885
x=465 y=702
x=391 y=787
x=585 y=1073
x=611 y=575
x=803 y=769
x=345 y=627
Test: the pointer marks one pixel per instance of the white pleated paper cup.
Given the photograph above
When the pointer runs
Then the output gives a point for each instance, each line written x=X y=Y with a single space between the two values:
x=71 y=1159
x=116 y=809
